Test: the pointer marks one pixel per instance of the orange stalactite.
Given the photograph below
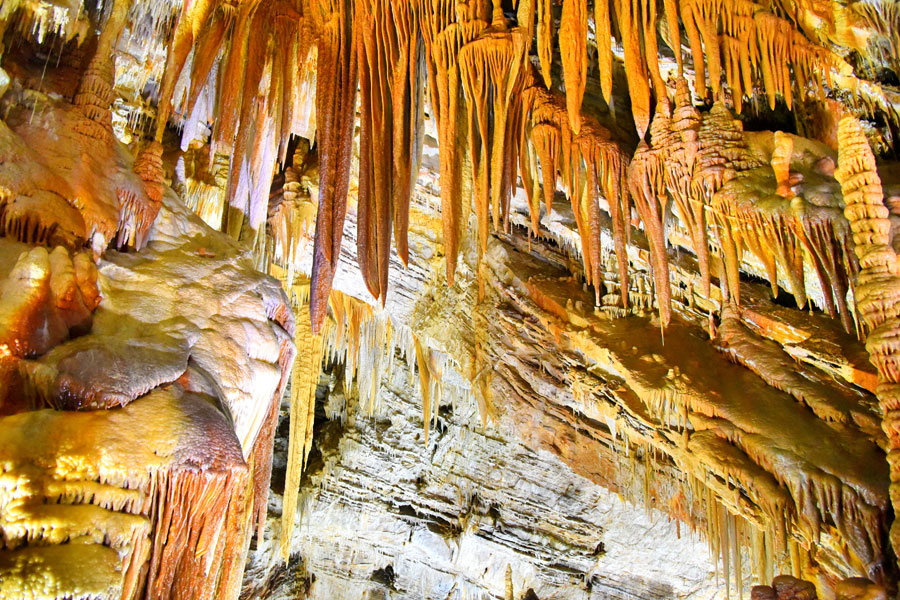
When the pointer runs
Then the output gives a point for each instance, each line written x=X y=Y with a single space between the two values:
x=408 y=115
x=680 y=165
x=693 y=34
x=255 y=41
x=194 y=15
x=706 y=14
x=731 y=55
x=492 y=67
x=635 y=67
x=208 y=45
x=592 y=159
x=336 y=81
x=546 y=139
x=374 y=199
x=753 y=45
x=231 y=80
x=719 y=154
x=528 y=171
x=606 y=164
x=545 y=39
x=551 y=138
x=604 y=46
x=646 y=181
x=390 y=114
x=671 y=10
x=444 y=39
x=651 y=50
x=573 y=29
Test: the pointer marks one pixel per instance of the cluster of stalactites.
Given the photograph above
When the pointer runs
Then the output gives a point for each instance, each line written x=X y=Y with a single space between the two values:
x=591 y=164
x=492 y=68
x=391 y=126
x=477 y=77
x=336 y=85
x=737 y=38
x=246 y=59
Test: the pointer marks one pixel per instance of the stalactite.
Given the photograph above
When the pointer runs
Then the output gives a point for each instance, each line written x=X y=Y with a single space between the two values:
x=545 y=39
x=192 y=15
x=671 y=10
x=606 y=166
x=635 y=67
x=547 y=138
x=304 y=380
x=693 y=34
x=208 y=46
x=390 y=125
x=754 y=45
x=573 y=29
x=335 y=113
x=651 y=50
x=251 y=42
x=720 y=155
x=706 y=15
x=231 y=80
x=547 y=143
x=879 y=277
x=408 y=103
x=444 y=39
x=679 y=172
x=528 y=173
x=646 y=180
x=364 y=341
x=425 y=382
x=561 y=152
x=265 y=116
x=492 y=68
x=604 y=47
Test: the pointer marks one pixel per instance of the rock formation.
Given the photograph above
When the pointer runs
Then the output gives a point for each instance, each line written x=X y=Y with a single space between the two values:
x=449 y=299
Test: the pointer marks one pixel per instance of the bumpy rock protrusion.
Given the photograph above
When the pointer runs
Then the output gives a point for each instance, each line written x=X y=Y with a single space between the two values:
x=138 y=211
x=878 y=285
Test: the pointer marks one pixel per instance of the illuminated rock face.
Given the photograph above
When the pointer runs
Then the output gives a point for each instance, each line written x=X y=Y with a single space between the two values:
x=172 y=361
x=582 y=323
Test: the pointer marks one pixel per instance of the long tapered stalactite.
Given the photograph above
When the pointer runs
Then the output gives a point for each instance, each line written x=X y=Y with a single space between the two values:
x=390 y=125
x=492 y=67
x=646 y=182
x=444 y=38
x=337 y=78
x=304 y=379
x=573 y=29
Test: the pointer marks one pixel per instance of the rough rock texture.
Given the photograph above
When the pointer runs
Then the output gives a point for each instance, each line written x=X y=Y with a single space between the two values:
x=469 y=514
x=175 y=357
